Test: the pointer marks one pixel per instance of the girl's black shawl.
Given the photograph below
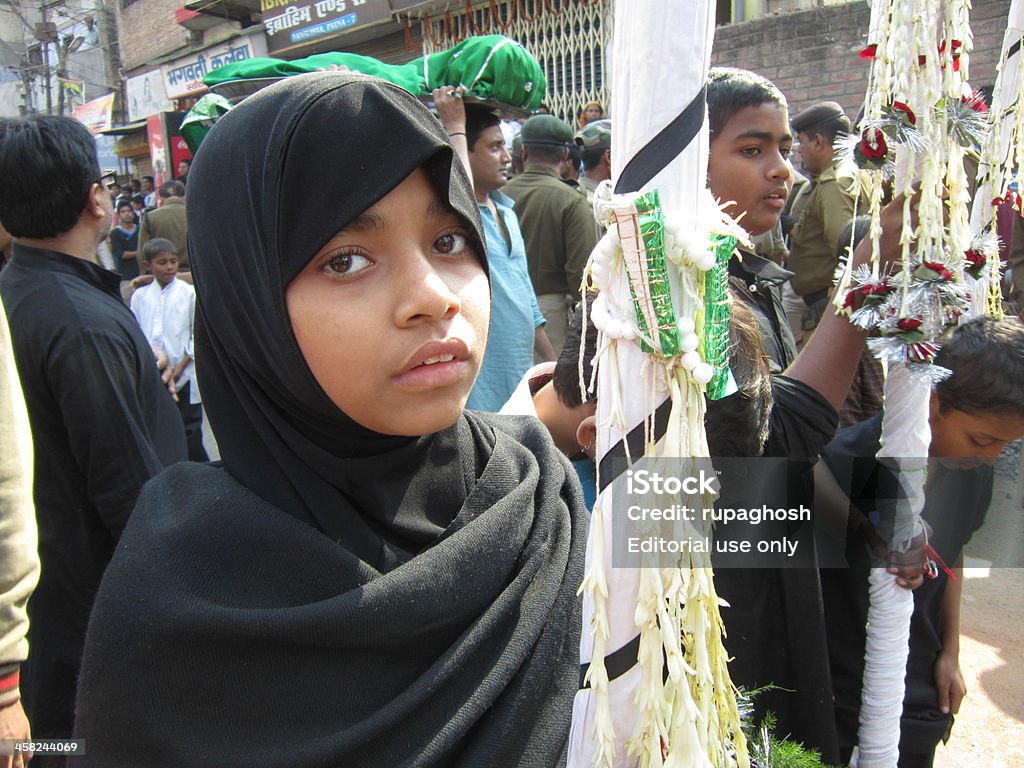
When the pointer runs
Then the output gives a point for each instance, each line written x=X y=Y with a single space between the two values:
x=330 y=596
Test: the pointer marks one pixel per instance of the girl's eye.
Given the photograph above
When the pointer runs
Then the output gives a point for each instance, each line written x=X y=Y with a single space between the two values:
x=347 y=264
x=452 y=243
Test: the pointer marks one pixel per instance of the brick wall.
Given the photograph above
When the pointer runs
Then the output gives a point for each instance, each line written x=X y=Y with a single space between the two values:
x=812 y=55
x=148 y=30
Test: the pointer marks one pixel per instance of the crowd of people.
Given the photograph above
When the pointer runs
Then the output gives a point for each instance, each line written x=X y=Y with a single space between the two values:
x=383 y=568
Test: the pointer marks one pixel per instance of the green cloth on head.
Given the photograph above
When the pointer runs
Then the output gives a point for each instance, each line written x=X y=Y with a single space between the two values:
x=491 y=67
x=201 y=117
x=406 y=76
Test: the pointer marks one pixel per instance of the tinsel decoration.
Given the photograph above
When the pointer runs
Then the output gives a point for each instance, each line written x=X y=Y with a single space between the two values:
x=648 y=281
x=715 y=336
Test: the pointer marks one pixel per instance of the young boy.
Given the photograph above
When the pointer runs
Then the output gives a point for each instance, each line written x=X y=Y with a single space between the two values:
x=165 y=308
x=124 y=241
x=973 y=415
x=749 y=172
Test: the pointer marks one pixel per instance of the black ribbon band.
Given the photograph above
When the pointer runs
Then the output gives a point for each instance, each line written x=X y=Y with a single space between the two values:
x=616 y=663
x=663 y=148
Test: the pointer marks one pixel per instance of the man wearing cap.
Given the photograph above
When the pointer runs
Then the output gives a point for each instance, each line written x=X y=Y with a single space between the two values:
x=827 y=205
x=595 y=139
x=558 y=224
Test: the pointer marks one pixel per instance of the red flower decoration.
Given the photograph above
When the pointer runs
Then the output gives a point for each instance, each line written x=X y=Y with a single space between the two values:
x=954 y=52
x=872 y=144
x=921 y=59
x=869 y=52
x=975 y=102
x=939 y=269
x=899 y=106
x=875 y=289
x=975 y=258
x=908 y=323
x=850 y=300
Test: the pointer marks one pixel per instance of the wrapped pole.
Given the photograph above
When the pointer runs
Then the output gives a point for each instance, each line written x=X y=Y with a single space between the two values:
x=655 y=688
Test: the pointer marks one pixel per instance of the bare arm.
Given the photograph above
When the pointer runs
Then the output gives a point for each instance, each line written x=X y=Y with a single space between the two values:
x=452 y=114
x=948 y=679
x=542 y=345
x=828 y=362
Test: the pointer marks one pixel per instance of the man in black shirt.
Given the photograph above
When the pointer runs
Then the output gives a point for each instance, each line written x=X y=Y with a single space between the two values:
x=102 y=420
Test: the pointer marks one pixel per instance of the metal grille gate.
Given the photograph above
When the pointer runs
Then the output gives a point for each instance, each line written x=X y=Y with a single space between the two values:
x=570 y=38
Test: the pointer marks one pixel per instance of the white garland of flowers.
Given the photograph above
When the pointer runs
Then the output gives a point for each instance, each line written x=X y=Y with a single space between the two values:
x=918 y=124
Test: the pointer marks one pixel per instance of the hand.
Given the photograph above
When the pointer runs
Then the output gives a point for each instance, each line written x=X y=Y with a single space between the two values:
x=950 y=682
x=163 y=364
x=14 y=725
x=450 y=109
x=907 y=567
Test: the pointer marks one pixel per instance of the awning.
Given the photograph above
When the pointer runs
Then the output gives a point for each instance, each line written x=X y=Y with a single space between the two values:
x=124 y=130
x=245 y=12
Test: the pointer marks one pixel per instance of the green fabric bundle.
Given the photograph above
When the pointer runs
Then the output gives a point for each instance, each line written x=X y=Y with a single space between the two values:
x=491 y=67
x=201 y=117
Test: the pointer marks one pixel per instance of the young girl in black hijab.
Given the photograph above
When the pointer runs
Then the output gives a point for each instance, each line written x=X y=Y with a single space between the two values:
x=373 y=577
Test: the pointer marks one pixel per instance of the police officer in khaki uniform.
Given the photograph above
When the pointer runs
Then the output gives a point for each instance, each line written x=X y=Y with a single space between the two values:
x=595 y=141
x=827 y=205
x=557 y=223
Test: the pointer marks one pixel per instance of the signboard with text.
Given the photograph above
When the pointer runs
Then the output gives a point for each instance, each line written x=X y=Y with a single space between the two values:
x=290 y=23
x=96 y=114
x=184 y=77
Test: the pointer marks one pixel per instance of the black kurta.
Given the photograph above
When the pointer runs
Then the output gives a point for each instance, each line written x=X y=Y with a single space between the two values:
x=775 y=621
x=103 y=423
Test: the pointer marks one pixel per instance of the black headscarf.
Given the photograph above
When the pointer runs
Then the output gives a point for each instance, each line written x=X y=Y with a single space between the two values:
x=336 y=597
x=280 y=176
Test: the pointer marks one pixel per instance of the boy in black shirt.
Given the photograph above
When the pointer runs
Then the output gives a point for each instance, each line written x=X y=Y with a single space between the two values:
x=973 y=415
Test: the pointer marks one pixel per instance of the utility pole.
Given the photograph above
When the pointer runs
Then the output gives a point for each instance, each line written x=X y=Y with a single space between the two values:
x=46 y=33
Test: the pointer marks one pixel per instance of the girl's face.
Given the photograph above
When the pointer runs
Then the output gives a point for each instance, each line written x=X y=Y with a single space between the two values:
x=391 y=314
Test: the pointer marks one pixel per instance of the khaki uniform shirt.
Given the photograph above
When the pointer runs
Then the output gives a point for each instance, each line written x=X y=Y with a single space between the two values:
x=558 y=227
x=166 y=221
x=814 y=241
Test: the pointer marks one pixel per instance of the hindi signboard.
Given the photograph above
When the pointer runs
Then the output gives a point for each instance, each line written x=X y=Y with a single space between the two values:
x=290 y=23
x=184 y=77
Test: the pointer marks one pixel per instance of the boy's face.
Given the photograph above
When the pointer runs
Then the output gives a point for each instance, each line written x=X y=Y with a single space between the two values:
x=164 y=267
x=748 y=165
x=125 y=215
x=391 y=314
x=962 y=440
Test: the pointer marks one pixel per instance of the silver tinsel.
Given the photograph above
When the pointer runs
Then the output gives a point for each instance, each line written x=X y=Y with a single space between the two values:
x=968 y=127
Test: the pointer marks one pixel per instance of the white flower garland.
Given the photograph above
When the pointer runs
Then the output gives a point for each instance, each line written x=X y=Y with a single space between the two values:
x=918 y=124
